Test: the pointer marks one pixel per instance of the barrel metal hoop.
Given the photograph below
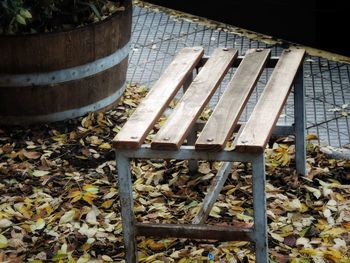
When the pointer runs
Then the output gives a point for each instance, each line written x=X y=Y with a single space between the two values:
x=68 y=114
x=59 y=76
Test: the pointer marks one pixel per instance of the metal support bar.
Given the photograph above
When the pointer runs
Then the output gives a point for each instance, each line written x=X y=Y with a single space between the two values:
x=279 y=130
x=192 y=136
x=127 y=208
x=259 y=205
x=195 y=232
x=300 y=123
x=213 y=192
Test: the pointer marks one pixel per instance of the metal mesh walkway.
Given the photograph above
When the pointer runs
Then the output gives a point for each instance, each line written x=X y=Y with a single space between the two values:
x=157 y=37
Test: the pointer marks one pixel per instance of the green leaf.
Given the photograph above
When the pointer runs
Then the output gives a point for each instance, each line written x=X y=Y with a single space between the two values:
x=25 y=13
x=3 y=241
x=20 y=19
x=94 y=9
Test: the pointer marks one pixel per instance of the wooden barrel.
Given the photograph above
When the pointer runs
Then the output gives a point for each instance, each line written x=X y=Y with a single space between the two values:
x=55 y=76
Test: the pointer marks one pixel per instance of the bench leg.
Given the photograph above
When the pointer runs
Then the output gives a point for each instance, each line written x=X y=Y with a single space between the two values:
x=259 y=204
x=192 y=137
x=127 y=208
x=300 y=125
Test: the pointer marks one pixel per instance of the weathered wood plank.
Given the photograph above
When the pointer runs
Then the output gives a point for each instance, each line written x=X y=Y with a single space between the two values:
x=152 y=106
x=188 y=109
x=195 y=232
x=232 y=102
x=258 y=129
x=271 y=63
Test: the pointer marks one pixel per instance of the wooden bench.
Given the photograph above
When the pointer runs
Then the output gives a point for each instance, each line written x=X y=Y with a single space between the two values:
x=249 y=143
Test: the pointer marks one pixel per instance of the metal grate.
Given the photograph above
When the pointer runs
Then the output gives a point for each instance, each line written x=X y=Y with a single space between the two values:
x=157 y=37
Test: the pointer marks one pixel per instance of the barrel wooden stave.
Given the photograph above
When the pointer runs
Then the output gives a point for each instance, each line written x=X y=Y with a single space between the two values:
x=61 y=51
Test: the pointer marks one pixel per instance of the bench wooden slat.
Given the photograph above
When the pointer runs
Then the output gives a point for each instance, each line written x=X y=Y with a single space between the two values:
x=226 y=114
x=188 y=109
x=258 y=129
x=135 y=130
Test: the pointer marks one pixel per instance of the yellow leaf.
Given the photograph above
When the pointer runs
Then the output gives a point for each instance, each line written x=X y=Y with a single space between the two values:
x=95 y=140
x=105 y=145
x=39 y=224
x=3 y=241
x=155 y=246
x=107 y=204
x=333 y=254
x=277 y=237
x=311 y=136
x=89 y=197
x=311 y=252
x=303 y=208
x=339 y=197
x=333 y=232
x=215 y=212
x=243 y=217
x=75 y=195
x=24 y=210
x=90 y=188
x=59 y=138
x=129 y=102
x=48 y=209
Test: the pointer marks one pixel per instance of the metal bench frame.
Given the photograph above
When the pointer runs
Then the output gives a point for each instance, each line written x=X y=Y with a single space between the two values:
x=258 y=233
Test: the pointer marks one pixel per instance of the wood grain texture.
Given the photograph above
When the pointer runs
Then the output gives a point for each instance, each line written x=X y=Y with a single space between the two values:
x=75 y=94
x=45 y=52
x=188 y=109
x=258 y=129
x=226 y=114
x=153 y=105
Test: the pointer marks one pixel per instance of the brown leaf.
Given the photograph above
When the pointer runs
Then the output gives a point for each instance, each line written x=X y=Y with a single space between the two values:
x=290 y=240
x=31 y=154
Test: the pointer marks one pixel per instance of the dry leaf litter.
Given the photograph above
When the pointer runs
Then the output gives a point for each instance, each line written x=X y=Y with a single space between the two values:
x=59 y=198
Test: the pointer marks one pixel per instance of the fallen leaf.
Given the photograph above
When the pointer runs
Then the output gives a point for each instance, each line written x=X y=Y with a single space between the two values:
x=105 y=145
x=31 y=154
x=67 y=217
x=39 y=173
x=4 y=223
x=3 y=241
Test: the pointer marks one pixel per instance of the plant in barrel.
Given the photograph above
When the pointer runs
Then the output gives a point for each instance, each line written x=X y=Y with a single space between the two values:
x=61 y=59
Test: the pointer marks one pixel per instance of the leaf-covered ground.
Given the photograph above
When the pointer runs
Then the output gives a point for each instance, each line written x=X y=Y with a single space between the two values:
x=59 y=199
